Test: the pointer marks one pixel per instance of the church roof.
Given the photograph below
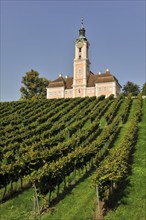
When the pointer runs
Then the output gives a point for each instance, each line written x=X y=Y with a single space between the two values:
x=62 y=82
x=69 y=82
x=92 y=79
x=100 y=78
x=57 y=83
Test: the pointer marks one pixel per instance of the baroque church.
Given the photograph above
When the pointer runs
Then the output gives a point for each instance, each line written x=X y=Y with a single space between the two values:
x=84 y=82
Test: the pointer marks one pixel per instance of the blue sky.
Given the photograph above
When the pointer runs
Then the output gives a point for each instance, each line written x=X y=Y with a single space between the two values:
x=40 y=35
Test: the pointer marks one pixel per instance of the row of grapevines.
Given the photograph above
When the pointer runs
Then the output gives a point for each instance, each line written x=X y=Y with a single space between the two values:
x=10 y=165
x=15 y=146
x=52 y=174
x=29 y=134
x=17 y=121
x=25 y=119
x=115 y=167
x=27 y=129
x=8 y=108
x=110 y=114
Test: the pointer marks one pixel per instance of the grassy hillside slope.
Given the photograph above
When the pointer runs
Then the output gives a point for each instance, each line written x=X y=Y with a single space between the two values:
x=79 y=201
x=132 y=205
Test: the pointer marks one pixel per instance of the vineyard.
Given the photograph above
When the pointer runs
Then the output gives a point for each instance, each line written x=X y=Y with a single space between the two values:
x=48 y=146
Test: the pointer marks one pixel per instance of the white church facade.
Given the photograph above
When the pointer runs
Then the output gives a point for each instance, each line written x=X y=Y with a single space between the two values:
x=84 y=82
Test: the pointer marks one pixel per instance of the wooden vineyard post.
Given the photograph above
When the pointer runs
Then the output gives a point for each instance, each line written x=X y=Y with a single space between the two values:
x=36 y=204
x=98 y=202
x=34 y=207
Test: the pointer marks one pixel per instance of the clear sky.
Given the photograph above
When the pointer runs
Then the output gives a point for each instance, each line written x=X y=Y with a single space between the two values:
x=40 y=35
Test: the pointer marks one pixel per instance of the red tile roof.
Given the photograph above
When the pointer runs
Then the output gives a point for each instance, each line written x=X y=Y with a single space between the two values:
x=91 y=80
x=100 y=78
x=69 y=83
x=60 y=82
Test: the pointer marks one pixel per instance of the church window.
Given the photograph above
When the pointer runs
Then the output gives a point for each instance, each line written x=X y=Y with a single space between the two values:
x=80 y=49
x=79 y=56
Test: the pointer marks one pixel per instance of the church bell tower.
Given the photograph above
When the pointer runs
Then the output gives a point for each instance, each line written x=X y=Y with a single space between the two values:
x=81 y=64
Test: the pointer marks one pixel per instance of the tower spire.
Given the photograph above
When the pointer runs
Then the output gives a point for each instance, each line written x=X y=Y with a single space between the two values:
x=82 y=30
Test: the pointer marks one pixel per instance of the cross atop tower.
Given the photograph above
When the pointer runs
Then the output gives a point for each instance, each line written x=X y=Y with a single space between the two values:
x=82 y=22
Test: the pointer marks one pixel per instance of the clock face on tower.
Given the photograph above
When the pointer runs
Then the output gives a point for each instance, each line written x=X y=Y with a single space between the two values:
x=79 y=44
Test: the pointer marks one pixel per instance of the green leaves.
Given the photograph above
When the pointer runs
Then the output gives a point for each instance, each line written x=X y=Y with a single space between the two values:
x=34 y=87
x=114 y=167
x=131 y=87
x=144 y=89
x=48 y=139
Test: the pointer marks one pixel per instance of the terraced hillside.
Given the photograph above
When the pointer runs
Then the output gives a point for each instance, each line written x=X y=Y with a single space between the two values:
x=49 y=147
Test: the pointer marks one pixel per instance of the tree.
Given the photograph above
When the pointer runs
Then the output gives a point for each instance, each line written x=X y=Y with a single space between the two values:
x=130 y=87
x=34 y=86
x=144 y=89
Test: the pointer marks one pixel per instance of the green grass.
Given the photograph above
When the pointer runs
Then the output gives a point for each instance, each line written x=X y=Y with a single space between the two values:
x=78 y=204
x=87 y=123
x=124 y=126
x=132 y=204
x=19 y=207
x=103 y=122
